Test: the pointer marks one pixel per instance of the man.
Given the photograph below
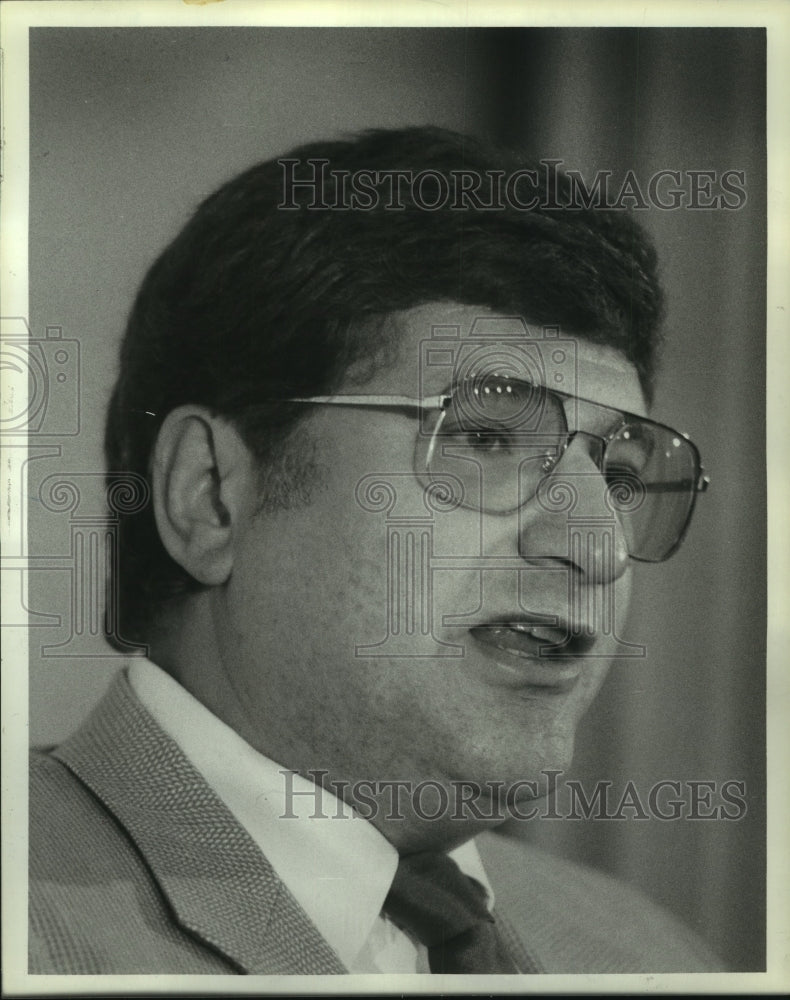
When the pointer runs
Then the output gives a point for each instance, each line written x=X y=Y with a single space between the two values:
x=361 y=388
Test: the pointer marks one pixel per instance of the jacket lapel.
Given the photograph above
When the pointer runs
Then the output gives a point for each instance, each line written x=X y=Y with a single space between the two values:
x=219 y=885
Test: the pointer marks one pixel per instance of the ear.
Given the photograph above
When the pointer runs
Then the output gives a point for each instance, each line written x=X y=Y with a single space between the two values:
x=203 y=480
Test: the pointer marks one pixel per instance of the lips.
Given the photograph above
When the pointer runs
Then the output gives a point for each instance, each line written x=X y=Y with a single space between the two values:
x=533 y=653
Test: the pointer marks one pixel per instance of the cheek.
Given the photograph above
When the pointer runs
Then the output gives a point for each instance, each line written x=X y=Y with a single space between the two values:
x=311 y=585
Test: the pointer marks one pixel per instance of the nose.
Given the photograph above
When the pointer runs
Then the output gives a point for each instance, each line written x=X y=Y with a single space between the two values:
x=569 y=521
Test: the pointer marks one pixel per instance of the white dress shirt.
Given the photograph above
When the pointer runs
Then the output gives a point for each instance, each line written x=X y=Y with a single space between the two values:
x=336 y=864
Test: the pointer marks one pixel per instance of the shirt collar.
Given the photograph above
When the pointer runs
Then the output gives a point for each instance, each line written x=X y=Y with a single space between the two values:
x=336 y=864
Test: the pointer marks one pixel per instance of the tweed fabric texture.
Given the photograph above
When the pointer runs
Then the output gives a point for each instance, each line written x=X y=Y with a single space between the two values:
x=196 y=867
x=137 y=867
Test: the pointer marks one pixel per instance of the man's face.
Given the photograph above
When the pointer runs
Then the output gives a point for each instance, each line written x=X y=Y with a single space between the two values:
x=379 y=637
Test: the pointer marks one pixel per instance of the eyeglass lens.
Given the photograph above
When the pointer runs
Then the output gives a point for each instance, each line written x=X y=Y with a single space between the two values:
x=502 y=438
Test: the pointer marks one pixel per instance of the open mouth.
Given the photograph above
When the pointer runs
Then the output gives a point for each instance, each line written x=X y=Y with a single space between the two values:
x=536 y=639
x=547 y=656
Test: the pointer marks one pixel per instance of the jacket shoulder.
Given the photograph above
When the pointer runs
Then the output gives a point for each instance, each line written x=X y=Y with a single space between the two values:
x=574 y=919
x=94 y=906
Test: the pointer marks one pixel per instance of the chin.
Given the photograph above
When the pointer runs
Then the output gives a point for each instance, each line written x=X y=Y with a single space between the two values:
x=519 y=776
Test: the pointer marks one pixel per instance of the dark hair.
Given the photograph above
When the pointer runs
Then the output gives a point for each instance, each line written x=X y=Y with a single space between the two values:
x=253 y=301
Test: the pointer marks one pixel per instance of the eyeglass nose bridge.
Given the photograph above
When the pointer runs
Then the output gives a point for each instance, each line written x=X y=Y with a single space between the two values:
x=557 y=490
x=597 y=447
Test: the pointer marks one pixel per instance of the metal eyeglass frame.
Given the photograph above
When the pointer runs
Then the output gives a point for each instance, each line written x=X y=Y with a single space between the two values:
x=442 y=401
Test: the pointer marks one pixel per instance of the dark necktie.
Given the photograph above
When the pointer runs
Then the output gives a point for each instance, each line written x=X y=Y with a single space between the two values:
x=446 y=911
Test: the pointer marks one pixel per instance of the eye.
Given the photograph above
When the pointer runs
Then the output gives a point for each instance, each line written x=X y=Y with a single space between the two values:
x=629 y=451
x=617 y=473
x=490 y=440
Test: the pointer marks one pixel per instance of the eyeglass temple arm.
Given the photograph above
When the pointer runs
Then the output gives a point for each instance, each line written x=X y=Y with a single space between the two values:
x=394 y=402
x=440 y=402
x=702 y=483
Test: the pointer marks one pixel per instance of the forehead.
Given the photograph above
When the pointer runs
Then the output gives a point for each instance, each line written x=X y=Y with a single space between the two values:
x=441 y=343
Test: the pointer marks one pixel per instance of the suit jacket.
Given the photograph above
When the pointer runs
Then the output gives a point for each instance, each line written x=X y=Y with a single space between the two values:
x=137 y=867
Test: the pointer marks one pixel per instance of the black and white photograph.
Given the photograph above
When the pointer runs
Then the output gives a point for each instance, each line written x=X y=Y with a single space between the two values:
x=391 y=556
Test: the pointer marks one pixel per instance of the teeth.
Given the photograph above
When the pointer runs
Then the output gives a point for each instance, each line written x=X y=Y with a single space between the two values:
x=526 y=629
x=544 y=640
x=542 y=633
x=523 y=629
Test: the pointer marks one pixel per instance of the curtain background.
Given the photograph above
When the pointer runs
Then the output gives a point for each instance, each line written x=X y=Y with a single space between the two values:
x=130 y=128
